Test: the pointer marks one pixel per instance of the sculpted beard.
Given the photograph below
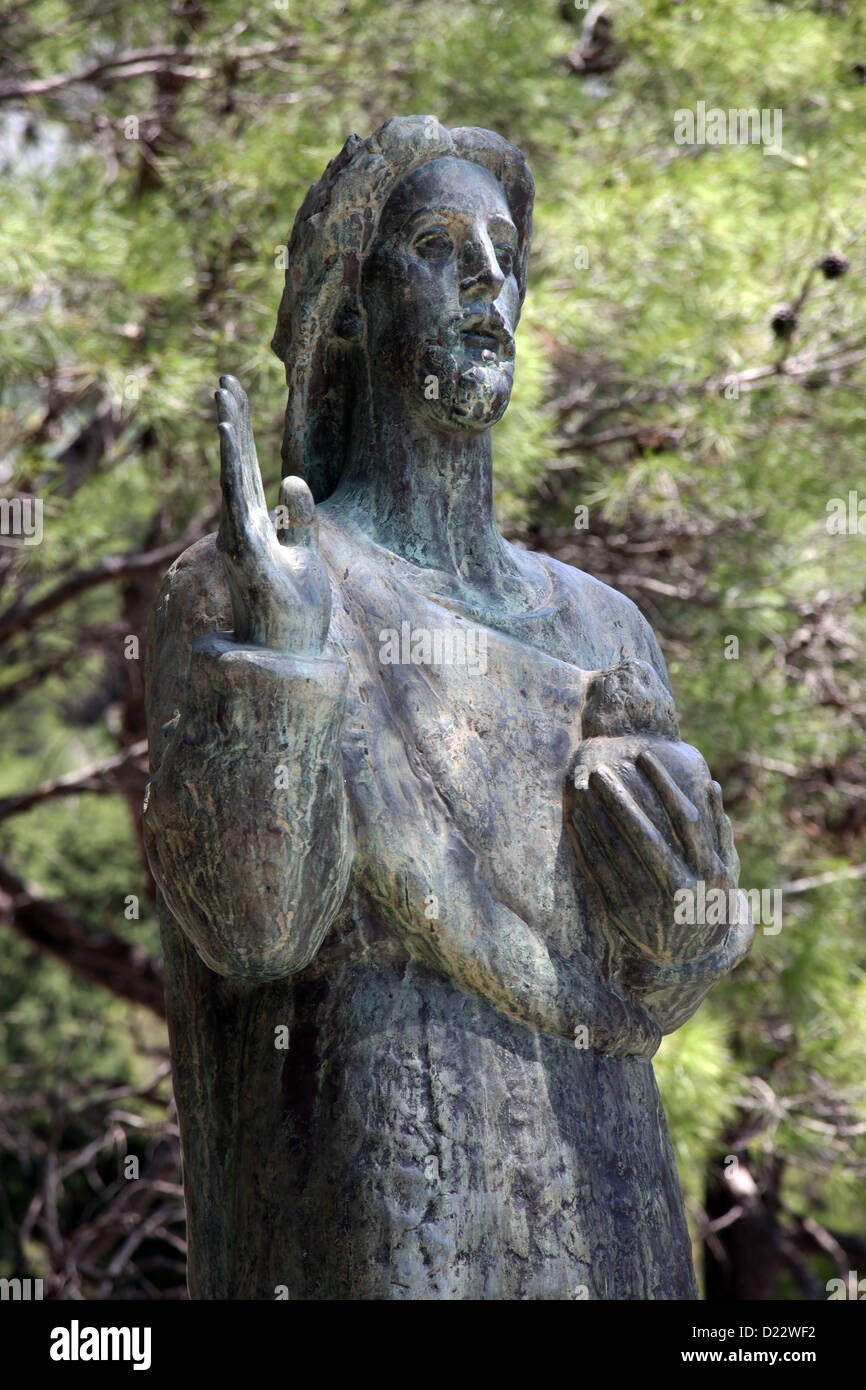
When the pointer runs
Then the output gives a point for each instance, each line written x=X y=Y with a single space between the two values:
x=467 y=384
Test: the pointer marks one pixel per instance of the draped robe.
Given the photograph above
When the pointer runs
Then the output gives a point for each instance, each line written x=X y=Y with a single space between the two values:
x=381 y=949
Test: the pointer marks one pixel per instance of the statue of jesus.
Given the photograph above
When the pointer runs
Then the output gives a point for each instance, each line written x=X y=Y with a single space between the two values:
x=419 y=811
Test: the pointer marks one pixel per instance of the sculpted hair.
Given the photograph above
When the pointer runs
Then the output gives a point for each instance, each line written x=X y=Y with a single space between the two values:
x=320 y=320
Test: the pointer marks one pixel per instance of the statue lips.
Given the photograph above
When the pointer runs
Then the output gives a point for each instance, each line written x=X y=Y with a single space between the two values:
x=486 y=332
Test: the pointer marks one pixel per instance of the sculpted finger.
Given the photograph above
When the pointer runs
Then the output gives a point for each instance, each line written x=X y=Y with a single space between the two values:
x=723 y=829
x=605 y=858
x=637 y=829
x=593 y=846
x=297 y=522
x=227 y=410
x=237 y=400
x=681 y=811
x=233 y=388
x=235 y=521
x=741 y=935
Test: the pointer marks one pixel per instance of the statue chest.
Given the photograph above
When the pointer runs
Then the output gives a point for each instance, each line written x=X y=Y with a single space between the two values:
x=456 y=731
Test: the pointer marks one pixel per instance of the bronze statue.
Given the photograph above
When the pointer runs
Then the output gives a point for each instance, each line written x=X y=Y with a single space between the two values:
x=418 y=809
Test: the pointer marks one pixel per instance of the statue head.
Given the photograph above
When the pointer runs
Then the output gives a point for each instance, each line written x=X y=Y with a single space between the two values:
x=406 y=274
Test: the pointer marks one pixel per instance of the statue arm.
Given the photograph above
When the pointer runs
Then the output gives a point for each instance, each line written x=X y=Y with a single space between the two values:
x=246 y=824
x=433 y=891
x=245 y=820
x=653 y=837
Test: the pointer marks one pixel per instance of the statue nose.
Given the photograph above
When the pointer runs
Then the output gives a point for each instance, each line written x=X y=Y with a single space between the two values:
x=480 y=272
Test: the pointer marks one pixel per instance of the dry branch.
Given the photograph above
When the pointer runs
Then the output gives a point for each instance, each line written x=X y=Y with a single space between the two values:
x=102 y=957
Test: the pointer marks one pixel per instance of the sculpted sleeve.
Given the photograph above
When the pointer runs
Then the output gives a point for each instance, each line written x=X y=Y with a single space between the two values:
x=245 y=820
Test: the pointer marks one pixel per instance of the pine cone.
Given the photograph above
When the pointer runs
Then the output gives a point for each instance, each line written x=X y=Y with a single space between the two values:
x=834 y=264
x=783 y=321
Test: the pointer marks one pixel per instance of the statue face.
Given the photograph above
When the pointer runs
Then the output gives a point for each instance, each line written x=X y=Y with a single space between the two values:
x=441 y=297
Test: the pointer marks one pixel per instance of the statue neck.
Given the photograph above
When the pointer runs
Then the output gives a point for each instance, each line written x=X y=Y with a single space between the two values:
x=426 y=495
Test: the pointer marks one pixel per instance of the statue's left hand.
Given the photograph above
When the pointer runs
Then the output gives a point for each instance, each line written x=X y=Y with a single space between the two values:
x=644 y=840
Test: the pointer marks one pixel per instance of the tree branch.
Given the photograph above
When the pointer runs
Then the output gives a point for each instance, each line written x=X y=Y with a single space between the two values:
x=142 y=61
x=103 y=958
x=839 y=358
x=122 y=772
x=20 y=615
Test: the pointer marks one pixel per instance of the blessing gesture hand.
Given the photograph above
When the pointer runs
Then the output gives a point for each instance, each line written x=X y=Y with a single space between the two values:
x=279 y=586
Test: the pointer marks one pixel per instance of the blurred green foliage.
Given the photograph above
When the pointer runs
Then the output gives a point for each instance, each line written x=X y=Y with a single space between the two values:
x=136 y=270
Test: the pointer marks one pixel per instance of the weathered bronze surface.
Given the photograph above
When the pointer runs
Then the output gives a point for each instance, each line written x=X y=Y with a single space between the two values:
x=418 y=807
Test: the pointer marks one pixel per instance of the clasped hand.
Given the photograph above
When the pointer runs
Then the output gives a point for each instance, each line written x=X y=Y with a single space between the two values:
x=650 y=827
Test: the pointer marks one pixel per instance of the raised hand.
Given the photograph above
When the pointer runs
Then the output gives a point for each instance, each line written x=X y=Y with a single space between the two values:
x=278 y=582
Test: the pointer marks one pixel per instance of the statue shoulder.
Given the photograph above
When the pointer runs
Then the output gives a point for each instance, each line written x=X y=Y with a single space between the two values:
x=617 y=619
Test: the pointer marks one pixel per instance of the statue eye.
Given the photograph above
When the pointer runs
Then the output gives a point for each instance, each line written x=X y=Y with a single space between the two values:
x=506 y=258
x=434 y=245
